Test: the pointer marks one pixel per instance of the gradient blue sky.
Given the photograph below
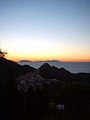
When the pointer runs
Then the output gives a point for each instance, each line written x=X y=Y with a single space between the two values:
x=45 y=29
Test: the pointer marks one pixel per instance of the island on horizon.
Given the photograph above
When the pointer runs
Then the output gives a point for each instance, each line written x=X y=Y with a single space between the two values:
x=39 y=61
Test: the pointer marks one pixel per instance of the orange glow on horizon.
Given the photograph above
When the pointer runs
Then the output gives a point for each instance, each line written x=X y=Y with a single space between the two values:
x=41 y=51
x=67 y=58
x=61 y=54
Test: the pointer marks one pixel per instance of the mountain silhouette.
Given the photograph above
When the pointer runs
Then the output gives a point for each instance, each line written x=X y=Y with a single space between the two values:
x=47 y=71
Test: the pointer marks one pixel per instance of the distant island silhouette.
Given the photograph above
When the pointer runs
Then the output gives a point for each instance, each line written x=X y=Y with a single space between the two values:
x=40 y=61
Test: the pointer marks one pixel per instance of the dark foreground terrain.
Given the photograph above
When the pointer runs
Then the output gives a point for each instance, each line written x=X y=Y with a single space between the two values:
x=46 y=93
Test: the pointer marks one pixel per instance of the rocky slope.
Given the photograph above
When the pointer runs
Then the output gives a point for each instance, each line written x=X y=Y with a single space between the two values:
x=35 y=80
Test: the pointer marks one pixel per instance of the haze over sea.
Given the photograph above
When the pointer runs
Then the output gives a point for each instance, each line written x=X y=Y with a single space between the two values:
x=74 y=67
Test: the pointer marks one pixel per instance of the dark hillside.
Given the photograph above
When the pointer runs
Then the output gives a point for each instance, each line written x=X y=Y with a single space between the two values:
x=48 y=93
x=8 y=65
x=83 y=77
x=9 y=71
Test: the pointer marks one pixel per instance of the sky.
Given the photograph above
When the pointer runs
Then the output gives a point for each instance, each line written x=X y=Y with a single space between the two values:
x=45 y=29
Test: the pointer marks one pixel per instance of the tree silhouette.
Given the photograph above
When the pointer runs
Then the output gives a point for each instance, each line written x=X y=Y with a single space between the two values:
x=2 y=53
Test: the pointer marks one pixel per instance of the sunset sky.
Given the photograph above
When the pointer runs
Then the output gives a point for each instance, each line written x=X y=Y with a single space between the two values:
x=45 y=29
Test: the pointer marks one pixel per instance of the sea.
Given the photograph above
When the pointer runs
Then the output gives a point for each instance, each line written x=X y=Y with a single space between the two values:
x=73 y=67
